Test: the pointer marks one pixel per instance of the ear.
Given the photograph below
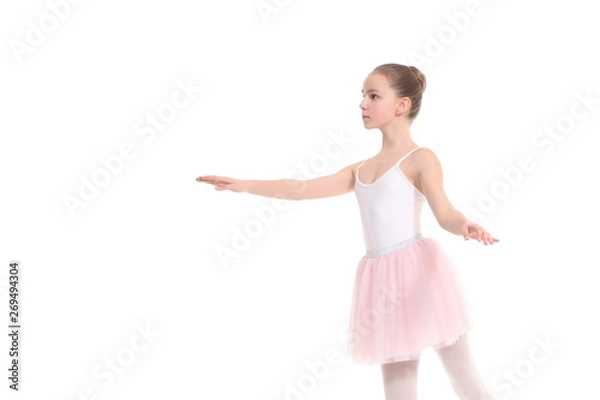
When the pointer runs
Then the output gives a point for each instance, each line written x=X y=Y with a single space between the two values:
x=403 y=105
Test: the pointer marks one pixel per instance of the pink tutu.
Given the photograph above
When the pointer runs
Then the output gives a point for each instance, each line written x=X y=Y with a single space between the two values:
x=406 y=297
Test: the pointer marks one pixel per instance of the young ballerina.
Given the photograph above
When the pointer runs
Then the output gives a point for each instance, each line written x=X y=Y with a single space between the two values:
x=407 y=294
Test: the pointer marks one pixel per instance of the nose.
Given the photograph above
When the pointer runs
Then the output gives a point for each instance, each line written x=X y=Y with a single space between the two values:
x=362 y=104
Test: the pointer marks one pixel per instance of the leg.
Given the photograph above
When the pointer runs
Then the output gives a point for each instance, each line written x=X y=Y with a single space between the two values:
x=400 y=380
x=462 y=371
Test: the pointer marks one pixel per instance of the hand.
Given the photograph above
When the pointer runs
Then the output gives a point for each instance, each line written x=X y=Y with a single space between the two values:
x=475 y=231
x=224 y=183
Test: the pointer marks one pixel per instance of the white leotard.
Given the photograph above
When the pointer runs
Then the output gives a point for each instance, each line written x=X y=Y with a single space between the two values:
x=390 y=207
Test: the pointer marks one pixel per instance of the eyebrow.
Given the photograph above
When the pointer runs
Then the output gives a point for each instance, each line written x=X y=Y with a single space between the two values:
x=370 y=90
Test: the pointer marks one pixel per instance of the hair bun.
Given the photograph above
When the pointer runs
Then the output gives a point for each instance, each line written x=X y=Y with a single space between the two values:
x=420 y=77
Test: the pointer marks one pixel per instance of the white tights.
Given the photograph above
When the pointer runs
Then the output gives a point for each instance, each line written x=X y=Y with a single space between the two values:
x=400 y=378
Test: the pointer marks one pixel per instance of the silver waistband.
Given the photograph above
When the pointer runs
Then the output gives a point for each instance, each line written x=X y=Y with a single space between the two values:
x=390 y=249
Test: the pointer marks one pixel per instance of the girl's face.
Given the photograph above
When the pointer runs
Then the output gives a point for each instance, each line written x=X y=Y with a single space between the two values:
x=380 y=105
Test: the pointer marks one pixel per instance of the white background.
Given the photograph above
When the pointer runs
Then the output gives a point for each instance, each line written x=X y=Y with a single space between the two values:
x=274 y=88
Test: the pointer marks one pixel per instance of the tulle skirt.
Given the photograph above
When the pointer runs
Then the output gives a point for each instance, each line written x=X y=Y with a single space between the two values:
x=406 y=297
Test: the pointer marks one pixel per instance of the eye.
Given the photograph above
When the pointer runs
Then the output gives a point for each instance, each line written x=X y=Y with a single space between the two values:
x=371 y=95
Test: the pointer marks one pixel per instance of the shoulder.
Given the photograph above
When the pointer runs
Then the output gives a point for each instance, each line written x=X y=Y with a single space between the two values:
x=425 y=154
x=426 y=159
x=352 y=168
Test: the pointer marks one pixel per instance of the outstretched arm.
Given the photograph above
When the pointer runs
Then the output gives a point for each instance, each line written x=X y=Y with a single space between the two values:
x=290 y=189
x=430 y=177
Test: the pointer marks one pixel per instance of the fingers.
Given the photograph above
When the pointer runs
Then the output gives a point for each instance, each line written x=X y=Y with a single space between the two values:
x=207 y=178
x=485 y=237
x=213 y=180
x=479 y=234
x=220 y=182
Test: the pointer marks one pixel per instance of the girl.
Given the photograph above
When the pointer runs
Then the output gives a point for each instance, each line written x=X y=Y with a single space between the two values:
x=407 y=294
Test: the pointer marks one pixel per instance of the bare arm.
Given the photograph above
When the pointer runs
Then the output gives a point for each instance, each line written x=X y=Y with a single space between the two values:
x=335 y=184
x=431 y=179
x=449 y=218
x=290 y=189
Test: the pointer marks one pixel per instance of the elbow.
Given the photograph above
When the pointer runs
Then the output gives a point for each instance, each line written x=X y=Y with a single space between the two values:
x=442 y=222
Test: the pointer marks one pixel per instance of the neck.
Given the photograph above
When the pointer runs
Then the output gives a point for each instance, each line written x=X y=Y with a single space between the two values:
x=396 y=137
